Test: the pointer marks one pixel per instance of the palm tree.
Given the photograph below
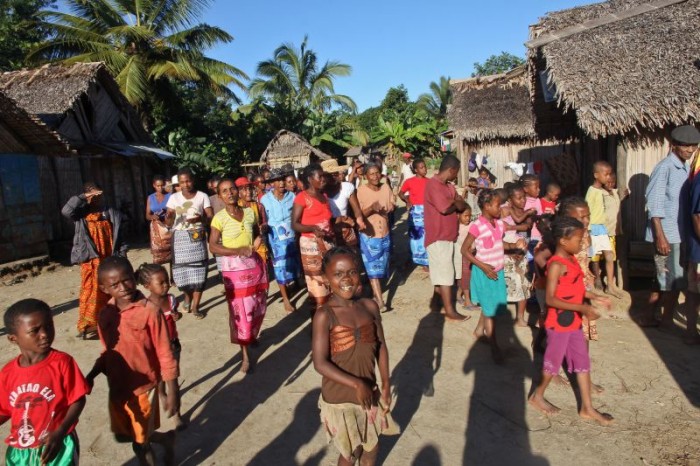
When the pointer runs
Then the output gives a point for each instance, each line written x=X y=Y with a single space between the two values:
x=295 y=85
x=144 y=43
x=440 y=96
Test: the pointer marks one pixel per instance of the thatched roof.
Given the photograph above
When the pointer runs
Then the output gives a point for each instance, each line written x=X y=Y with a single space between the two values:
x=622 y=66
x=52 y=90
x=21 y=132
x=491 y=107
x=289 y=145
x=354 y=151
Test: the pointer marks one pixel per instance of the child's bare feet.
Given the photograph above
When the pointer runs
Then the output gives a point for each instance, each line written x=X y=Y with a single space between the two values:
x=604 y=419
x=560 y=380
x=520 y=322
x=288 y=307
x=479 y=333
x=541 y=403
x=245 y=366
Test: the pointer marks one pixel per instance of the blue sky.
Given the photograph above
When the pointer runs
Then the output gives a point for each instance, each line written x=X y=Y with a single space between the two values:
x=387 y=42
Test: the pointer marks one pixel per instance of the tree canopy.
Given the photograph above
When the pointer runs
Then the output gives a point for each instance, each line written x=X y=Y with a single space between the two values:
x=496 y=64
x=20 y=30
x=146 y=44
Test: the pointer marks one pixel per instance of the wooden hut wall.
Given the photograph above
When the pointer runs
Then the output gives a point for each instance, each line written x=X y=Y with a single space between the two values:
x=635 y=166
x=125 y=181
x=502 y=153
x=22 y=226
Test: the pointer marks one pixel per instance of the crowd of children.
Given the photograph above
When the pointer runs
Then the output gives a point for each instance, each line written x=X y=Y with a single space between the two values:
x=514 y=246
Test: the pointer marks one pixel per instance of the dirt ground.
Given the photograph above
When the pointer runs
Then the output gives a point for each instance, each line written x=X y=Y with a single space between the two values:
x=453 y=404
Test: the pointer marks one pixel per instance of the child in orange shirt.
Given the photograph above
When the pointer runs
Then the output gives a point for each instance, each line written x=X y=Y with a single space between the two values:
x=136 y=357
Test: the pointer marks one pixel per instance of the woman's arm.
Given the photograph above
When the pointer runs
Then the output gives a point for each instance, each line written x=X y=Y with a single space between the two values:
x=208 y=215
x=554 y=271
x=297 y=210
x=149 y=217
x=75 y=207
x=170 y=217
x=216 y=248
x=320 y=352
x=355 y=206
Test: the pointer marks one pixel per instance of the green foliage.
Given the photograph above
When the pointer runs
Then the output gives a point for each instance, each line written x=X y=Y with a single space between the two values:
x=436 y=102
x=496 y=64
x=146 y=44
x=20 y=31
x=292 y=85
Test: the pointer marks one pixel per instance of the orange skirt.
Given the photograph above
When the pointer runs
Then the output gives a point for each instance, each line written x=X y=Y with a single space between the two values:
x=92 y=299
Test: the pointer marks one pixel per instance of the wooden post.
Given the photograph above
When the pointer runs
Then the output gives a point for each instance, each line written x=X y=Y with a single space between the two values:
x=622 y=184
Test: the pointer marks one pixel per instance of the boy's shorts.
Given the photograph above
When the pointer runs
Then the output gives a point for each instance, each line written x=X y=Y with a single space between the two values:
x=613 y=247
x=68 y=455
x=135 y=419
x=599 y=243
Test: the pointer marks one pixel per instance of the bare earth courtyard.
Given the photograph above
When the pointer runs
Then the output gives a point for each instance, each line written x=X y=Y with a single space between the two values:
x=455 y=405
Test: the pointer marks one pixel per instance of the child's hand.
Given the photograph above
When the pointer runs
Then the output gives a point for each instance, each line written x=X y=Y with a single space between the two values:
x=386 y=397
x=361 y=224
x=603 y=302
x=590 y=312
x=172 y=403
x=257 y=242
x=52 y=445
x=490 y=271
x=364 y=395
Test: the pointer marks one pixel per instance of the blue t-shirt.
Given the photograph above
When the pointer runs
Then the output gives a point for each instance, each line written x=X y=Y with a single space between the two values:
x=694 y=241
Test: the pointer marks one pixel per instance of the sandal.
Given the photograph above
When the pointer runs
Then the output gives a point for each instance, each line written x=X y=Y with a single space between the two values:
x=593 y=332
x=198 y=315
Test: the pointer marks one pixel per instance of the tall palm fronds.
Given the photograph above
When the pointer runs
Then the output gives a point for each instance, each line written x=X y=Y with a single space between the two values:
x=440 y=96
x=143 y=43
x=294 y=82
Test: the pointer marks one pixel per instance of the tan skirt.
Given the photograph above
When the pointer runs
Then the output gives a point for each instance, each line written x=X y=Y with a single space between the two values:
x=312 y=251
x=349 y=426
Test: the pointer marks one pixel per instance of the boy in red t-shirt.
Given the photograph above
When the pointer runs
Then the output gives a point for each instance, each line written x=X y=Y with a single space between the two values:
x=42 y=391
x=550 y=199
x=136 y=357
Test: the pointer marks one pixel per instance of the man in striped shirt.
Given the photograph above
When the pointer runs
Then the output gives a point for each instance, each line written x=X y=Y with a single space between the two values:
x=667 y=208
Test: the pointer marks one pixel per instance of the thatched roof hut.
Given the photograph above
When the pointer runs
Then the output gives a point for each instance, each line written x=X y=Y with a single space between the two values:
x=619 y=67
x=76 y=110
x=22 y=133
x=492 y=116
x=288 y=147
x=57 y=93
x=491 y=107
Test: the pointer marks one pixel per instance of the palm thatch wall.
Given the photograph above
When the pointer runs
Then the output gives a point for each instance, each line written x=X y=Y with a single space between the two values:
x=619 y=67
x=287 y=147
x=491 y=107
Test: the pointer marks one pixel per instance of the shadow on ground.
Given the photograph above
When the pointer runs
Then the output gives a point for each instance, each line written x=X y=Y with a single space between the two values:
x=498 y=428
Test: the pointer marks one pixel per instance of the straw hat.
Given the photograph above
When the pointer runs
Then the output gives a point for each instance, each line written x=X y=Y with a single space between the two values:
x=331 y=166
